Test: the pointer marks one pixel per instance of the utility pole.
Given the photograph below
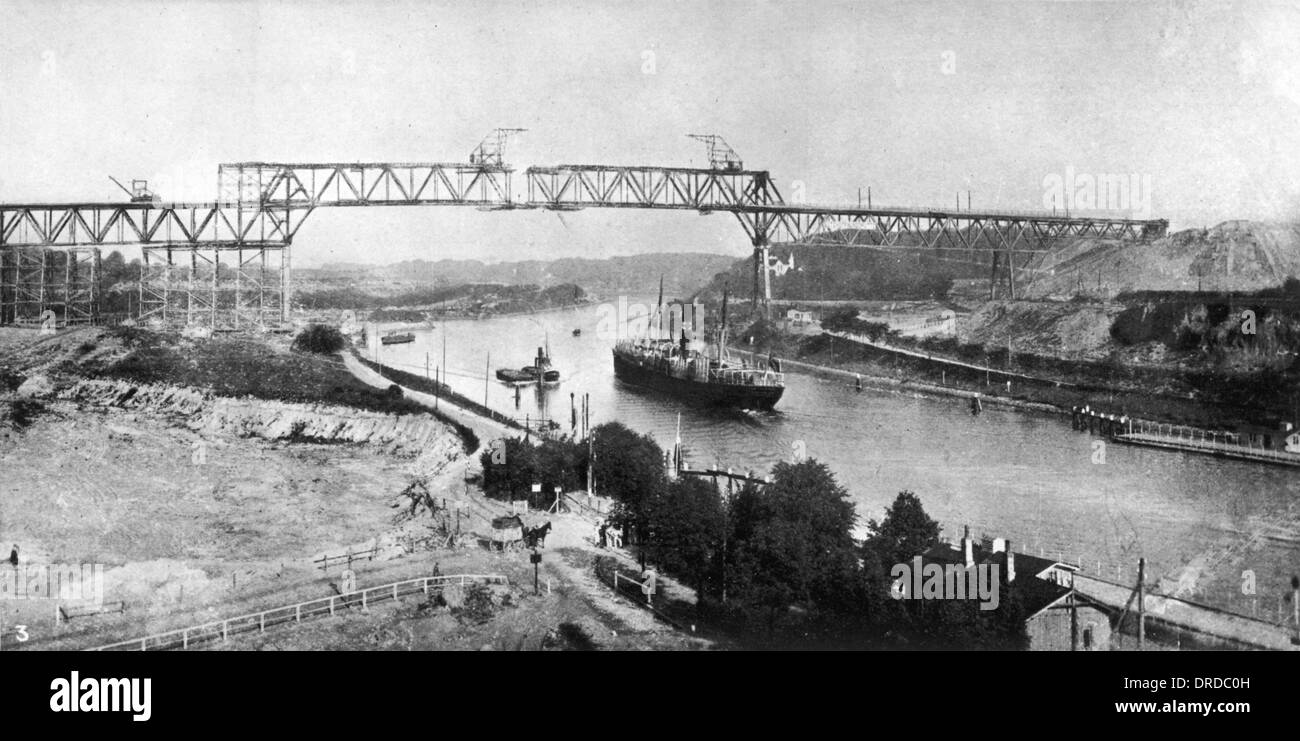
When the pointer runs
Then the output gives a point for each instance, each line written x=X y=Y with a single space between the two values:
x=1295 y=606
x=1074 y=621
x=591 y=467
x=1142 y=572
x=536 y=558
x=487 y=373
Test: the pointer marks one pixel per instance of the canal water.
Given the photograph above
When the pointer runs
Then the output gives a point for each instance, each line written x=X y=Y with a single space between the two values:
x=1019 y=475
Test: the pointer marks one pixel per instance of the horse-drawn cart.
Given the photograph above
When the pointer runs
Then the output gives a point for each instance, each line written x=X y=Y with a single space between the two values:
x=507 y=532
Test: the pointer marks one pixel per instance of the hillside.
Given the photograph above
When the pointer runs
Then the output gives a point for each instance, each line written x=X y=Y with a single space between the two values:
x=828 y=273
x=1233 y=256
x=682 y=272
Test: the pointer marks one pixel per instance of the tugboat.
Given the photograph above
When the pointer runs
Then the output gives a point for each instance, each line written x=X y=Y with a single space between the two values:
x=540 y=370
x=677 y=368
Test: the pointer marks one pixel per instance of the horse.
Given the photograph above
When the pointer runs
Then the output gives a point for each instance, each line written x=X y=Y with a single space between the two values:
x=615 y=537
x=536 y=536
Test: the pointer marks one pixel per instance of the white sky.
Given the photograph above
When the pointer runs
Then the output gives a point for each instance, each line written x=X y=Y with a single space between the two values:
x=1202 y=98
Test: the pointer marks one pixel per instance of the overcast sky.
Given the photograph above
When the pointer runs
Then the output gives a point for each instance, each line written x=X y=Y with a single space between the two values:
x=917 y=101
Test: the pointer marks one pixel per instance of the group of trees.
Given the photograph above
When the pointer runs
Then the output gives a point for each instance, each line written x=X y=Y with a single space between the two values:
x=778 y=562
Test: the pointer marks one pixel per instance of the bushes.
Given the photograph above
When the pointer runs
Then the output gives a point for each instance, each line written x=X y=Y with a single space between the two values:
x=478 y=607
x=22 y=412
x=319 y=338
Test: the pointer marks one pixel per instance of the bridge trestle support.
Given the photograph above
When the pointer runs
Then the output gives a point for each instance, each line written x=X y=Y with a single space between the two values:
x=223 y=288
x=36 y=280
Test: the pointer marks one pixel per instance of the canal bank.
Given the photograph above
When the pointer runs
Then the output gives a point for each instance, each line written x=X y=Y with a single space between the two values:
x=914 y=388
x=889 y=366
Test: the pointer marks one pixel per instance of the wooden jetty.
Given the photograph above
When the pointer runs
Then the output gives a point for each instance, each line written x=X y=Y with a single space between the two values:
x=1130 y=431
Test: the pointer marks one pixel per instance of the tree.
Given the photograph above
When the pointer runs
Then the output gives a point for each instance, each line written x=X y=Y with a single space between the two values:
x=687 y=523
x=551 y=463
x=800 y=545
x=906 y=531
x=630 y=468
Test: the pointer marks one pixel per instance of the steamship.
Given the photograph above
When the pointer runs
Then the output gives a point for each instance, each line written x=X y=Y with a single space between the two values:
x=677 y=368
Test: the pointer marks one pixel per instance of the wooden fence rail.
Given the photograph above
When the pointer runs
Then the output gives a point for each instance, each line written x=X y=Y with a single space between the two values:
x=184 y=638
x=349 y=557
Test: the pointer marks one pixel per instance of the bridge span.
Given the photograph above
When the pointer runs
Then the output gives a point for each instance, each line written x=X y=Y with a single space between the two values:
x=226 y=264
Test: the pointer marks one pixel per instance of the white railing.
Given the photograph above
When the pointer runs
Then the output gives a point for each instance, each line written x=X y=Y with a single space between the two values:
x=1217 y=440
x=747 y=377
x=183 y=638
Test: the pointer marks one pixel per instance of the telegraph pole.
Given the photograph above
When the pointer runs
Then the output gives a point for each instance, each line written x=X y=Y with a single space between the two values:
x=1142 y=572
x=1295 y=606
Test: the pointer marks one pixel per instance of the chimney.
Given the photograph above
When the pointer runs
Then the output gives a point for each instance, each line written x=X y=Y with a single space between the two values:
x=967 y=553
x=1011 y=563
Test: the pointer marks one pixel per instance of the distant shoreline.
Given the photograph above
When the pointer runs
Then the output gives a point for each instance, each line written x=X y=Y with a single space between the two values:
x=475 y=317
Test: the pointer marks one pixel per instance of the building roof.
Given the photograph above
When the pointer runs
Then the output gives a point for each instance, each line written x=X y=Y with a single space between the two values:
x=1034 y=592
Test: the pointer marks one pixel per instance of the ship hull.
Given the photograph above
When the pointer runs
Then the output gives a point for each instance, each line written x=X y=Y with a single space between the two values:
x=720 y=394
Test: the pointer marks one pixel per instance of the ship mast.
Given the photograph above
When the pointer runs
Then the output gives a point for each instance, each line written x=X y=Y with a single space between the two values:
x=654 y=319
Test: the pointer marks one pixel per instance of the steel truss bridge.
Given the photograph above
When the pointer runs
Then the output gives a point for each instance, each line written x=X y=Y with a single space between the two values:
x=226 y=264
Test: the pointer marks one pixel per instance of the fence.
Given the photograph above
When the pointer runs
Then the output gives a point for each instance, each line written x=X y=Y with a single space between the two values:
x=223 y=629
x=347 y=557
x=66 y=613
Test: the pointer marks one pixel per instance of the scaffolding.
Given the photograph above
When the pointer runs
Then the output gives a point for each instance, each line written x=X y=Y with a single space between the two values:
x=232 y=287
x=49 y=287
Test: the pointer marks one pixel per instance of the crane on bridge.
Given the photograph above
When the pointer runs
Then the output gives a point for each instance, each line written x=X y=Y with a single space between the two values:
x=492 y=150
x=139 y=191
x=721 y=155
